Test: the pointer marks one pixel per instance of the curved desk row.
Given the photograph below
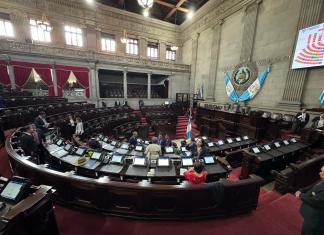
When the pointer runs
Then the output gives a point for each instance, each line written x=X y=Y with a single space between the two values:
x=142 y=199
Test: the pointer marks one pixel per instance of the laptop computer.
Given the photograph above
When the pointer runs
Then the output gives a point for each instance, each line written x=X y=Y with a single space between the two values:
x=186 y=161
x=209 y=160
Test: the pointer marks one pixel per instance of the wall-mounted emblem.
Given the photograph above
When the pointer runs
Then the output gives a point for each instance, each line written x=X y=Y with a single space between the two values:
x=244 y=83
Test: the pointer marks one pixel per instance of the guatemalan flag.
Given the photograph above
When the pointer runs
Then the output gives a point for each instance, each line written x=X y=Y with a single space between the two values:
x=321 y=98
x=189 y=131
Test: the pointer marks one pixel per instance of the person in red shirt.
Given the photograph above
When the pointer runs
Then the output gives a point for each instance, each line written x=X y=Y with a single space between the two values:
x=196 y=175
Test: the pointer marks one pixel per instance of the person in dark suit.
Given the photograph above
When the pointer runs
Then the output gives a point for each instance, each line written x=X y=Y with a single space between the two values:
x=301 y=120
x=27 y=142
x=93 y=142
x=312 y=208
x=41 y=124
x=133 y=138
x=191 y=146
x=200 y=149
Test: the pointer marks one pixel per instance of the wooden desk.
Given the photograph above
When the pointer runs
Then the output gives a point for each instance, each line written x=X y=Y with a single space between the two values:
x=33 y=215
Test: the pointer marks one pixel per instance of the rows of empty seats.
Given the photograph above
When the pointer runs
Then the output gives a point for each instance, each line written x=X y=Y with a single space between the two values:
x=31 y=100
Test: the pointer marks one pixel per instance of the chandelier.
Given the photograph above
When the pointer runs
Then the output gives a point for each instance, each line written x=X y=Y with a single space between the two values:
x=145 y=3
x=174 y=48
x=44 y=24
x=124 y=38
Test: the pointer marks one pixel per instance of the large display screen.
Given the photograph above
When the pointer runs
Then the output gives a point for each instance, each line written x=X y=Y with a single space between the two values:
x=309 y=50
x=12 y=190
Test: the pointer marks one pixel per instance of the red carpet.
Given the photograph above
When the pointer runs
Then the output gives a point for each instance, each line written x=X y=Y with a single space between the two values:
x=181 y=128
x=279 y=217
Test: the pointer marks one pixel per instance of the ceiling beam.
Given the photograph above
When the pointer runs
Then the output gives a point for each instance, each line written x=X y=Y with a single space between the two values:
x=179 y=4
x=170 y=5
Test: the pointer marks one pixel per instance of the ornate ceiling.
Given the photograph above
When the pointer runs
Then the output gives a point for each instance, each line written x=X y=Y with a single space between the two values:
x=173 y=11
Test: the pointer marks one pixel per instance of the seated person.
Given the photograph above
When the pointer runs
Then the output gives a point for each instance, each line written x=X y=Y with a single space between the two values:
x=133 y=139
x=191 y=146
x=320 y=123
x=161 y=140
x=200 y=149
x=153 y=151
x=301 y=120
x=93 y=142
x=196 y=174
x=168 y=142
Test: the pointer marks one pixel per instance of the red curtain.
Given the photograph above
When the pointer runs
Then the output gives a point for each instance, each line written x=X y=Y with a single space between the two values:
x=81 y=74
x=22 y=71
x=4 y=76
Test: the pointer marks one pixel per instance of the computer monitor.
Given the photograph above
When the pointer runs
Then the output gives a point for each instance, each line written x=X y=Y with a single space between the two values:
x=210 y=144
x=209 y=160
x=113 y=143
x=139 y=148
x=256 y=150
x=267 y=147
x=59 y=142
x=245 y=137
x=96 y=155
x=68 y=147
x=14 y=189
x=183 y=149
x=163 y=161
x=124 y=146
x=220 y=142
x=80 y=151
x=286 y=142
x=139 y=161
x=293 y=140
x=105 y=139
x=116 y=159
x=187 y=161
x=238 y=139
x=277 y=144
x=169 y=150
x=100 y=137
x=229 y=140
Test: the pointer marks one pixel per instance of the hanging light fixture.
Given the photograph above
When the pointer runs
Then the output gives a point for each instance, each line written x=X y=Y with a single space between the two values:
x=124 y=38
x=44 y=24
x=145 y=3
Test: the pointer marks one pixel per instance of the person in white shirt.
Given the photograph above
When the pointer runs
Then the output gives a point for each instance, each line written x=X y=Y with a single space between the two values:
x=79 y=127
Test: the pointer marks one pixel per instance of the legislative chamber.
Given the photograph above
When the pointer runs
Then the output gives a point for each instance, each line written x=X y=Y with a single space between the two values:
x=161 y=117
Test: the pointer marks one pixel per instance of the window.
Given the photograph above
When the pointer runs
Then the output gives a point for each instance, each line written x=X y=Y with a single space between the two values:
x=73 y=36
x=170 y=54
x=38 y=33
x=108 y=42
x=6 y=28
x=152 y=50
x=132 y=46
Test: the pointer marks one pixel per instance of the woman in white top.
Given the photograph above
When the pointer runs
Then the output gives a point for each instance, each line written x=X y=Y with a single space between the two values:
x=79 y=127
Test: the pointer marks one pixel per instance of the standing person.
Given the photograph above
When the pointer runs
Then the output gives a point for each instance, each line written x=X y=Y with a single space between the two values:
x=79 y=127
x=301 y=120
x=312 y=208
x=70 y=126
x=41 y=124
x=27 y=142
x=133 y=138
x=153 y=151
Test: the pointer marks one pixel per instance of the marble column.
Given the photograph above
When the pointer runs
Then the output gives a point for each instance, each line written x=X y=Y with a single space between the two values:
x=149 y=85
x=142 y=47
x=12 y=77
x=54 y=80
x=193 y=65
x=92 y=82
x=250 y=19
x=125 y=83
x=217 y=29
x=162 y=51
x=292 y=96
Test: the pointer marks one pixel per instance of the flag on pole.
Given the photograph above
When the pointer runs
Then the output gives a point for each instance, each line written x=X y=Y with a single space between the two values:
x=189 y=131
x=321 y=98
